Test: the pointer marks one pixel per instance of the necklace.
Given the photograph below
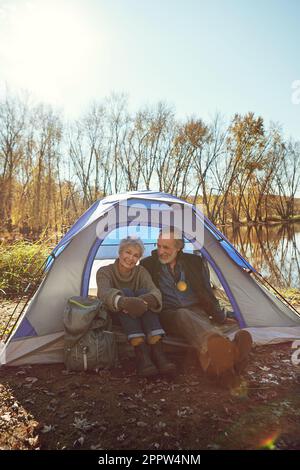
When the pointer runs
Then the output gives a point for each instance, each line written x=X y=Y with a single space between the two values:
x=181 y=286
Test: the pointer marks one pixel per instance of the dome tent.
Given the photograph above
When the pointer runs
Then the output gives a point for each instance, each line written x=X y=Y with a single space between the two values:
x=38 y=336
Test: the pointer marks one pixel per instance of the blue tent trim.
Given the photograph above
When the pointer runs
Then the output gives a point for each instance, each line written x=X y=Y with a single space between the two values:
x=88 y=267
x=228 y=247
x=51 y=258
x=25 y=329
x=77 y=226
x=235 y=256
x=226 y=287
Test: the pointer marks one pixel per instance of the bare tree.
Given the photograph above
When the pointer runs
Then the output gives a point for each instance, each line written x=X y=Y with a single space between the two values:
x=13 y=113
x=86 y=140
x=287 y=180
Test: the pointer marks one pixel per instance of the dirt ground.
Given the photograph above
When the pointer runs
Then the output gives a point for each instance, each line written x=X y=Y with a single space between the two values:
x=45 y=407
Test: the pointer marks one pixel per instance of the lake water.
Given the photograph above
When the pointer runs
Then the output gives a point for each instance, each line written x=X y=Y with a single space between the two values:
x=273 y=250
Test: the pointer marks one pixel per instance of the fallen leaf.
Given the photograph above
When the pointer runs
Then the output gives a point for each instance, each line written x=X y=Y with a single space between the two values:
x=141 y=424
x=33 y=441
x=47 y=428
x=83 y=424
x=78 y=442
x=6 y=417
x=96 y=447
x=31 y=380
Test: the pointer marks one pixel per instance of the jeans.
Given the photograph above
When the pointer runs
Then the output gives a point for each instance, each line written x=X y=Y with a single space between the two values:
x=146 y=325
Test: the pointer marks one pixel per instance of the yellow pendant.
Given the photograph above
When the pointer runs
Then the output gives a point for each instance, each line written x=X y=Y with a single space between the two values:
x=182 y=286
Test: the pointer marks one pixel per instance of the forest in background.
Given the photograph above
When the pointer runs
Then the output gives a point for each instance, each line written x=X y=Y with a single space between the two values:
x=52 y=170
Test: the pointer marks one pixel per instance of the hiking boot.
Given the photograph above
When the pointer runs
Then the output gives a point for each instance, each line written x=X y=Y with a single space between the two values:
x=144 y=365
x=243 y=342
x=219 y=356
x=160 y=360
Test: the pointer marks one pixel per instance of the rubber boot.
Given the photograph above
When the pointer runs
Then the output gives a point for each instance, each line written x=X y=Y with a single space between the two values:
x=160 y=360
x=144 y=365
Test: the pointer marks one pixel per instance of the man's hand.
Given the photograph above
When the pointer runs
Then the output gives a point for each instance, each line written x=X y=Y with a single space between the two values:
x=134 y=306
x=230 y=321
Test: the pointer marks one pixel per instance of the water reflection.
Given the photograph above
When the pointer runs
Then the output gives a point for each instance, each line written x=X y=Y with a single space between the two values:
x=274 y=250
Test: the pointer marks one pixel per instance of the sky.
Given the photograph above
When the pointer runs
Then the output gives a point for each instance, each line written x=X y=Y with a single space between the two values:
x=199 y=56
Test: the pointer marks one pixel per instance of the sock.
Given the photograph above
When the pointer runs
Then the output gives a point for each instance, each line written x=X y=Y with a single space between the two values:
x=136 y=341
x=154 y=339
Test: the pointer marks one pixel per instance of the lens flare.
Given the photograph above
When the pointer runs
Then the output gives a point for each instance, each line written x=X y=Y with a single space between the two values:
x=269 y=443
x=240 y=390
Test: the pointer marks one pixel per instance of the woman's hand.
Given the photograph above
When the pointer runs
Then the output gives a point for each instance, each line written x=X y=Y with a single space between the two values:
x=150 y=300
x=133 y=306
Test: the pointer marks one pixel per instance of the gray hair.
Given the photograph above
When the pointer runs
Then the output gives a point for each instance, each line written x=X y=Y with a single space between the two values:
x=174 y=233
x=132 y=241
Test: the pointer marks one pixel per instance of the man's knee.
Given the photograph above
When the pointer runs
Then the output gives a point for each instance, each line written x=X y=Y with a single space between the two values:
x=183 y=314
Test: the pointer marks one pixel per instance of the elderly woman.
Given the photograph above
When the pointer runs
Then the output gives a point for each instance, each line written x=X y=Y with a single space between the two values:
x=128 y=291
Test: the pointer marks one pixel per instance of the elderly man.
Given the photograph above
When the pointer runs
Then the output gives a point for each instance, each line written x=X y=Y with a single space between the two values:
x=190 y=309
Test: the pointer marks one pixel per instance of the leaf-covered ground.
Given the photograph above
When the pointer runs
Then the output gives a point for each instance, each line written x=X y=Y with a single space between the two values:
x=44 y=407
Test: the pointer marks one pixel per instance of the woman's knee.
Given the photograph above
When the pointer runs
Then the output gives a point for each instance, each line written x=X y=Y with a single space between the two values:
x=142 y=291
x=131 y=293
x=128 y=292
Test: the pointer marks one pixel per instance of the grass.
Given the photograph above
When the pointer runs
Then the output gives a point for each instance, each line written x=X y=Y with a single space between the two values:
x=20 y=264
x=291 y=294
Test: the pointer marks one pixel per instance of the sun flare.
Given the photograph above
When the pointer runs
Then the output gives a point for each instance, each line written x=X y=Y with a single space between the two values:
x=46 y=45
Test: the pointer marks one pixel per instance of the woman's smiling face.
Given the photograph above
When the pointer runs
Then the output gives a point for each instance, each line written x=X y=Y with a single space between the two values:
x=129 y=256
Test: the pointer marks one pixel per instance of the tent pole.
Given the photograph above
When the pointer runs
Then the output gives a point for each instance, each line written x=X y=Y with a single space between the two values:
x=38 y=271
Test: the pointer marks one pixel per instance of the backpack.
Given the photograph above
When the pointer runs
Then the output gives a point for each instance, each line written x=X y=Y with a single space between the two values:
x=89 y=344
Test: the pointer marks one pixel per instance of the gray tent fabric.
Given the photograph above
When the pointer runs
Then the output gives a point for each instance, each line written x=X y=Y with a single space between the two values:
x=258 y=309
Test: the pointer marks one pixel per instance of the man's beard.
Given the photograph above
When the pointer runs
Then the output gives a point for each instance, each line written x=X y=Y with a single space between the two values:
x=169 y=259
